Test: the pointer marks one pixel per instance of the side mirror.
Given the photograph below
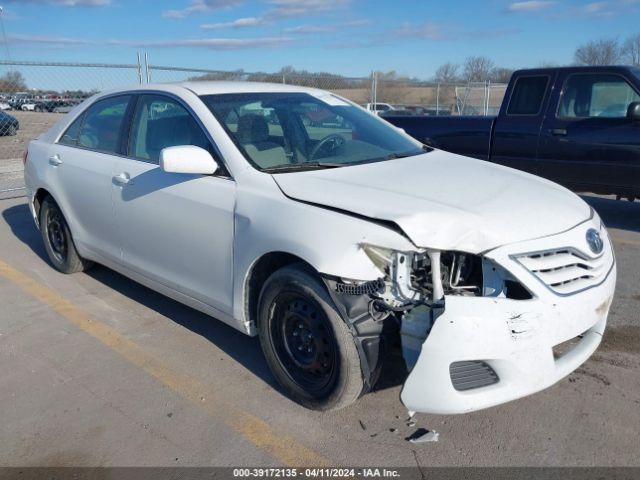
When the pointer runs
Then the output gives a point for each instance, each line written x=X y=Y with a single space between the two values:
x=187 y=159
x=633 y=112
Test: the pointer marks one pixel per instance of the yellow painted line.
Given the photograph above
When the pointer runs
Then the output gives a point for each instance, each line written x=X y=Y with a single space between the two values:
x=285 y=449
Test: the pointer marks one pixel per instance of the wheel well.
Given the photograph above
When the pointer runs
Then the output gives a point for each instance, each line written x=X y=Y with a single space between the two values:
x=40 y=195
x=259 y=273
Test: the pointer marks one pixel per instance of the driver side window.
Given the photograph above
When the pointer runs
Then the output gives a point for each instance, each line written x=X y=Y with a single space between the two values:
x=596 y=95
x=160 y=122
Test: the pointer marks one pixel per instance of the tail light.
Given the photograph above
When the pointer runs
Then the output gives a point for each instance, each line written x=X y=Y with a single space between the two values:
x=25 y=156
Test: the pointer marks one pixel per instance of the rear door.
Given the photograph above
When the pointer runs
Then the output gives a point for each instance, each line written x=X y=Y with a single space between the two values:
x=588 y=142
x=80 y=166
x=517 y=128
x=176 y=229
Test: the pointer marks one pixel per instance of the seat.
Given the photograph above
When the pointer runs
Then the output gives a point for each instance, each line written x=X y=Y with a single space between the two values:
x=253 y=135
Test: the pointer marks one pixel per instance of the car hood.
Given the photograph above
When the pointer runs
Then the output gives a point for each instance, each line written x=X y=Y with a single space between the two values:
x=444 y=201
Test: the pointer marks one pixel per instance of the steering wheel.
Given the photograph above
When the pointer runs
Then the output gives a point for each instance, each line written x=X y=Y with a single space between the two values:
x=337 y=139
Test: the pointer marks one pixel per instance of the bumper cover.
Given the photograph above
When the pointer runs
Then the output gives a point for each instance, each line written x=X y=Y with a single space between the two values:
x=514 y=337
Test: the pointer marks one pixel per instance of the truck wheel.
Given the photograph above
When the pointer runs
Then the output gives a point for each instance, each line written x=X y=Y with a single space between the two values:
x=307 y=345
x=58 y=241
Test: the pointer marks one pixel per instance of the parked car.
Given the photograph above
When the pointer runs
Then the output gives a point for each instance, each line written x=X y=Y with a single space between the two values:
x=328 y=242
x=577 y=126
x=64 y=107
x=5 y=106
x=378 y=108
x=9 y=124
x=28 y=106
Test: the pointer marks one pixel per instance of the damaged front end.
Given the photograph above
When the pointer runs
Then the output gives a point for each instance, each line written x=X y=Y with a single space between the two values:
x=412 y=291
x=475 y=334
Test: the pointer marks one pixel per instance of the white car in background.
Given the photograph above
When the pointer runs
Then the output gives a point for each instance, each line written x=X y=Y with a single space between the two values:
x=329 y=239
x=28 y=106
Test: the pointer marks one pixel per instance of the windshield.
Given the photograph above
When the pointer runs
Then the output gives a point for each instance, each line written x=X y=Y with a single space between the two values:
x=293 y=131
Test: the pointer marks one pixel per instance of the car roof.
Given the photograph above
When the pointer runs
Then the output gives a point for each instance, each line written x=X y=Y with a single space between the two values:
x=218 y=87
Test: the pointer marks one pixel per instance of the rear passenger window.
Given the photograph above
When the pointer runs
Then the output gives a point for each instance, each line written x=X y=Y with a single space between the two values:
x=102 y=124
x=70 y=137
x=528 y=95
x=162 y=122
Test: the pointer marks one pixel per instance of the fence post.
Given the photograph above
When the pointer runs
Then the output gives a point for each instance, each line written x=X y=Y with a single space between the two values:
x=139 y=69
x=438 y=99
x=488 y=97
x=146 y=67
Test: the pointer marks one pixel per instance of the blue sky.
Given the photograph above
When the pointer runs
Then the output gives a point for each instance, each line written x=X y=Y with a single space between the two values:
x=350 y=37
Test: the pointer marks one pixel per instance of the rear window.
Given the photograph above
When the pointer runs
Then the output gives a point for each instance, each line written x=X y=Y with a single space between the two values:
x=528 y=95
x=102 y=123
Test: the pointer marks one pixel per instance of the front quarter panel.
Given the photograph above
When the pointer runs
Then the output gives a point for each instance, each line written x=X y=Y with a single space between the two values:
x=268 y=221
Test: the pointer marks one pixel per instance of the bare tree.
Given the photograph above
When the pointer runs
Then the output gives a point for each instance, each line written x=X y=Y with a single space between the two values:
x=477 y=69
x=501 y=75
x=598 y=52
x=631 y=50
x=447 y=73
x=12 y=82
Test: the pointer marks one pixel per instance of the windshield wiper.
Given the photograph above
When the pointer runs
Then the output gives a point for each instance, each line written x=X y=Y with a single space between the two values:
x=295 y=167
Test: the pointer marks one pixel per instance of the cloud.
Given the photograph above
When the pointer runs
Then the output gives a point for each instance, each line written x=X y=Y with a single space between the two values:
x=201 y=6
x=47 y=39
x=300 y=8
x=210 y=43
x=239 y=23
x=65 y=3
x=530 y=6
x=308 y=29
x=429 y=31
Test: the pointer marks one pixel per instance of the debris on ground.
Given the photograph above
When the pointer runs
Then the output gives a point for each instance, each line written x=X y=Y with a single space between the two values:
x=422 y=435
x=411 y=422
x=394 y=430
x=362 y=425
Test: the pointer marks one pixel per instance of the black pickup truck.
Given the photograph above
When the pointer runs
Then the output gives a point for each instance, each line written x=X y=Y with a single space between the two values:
x=578 y=126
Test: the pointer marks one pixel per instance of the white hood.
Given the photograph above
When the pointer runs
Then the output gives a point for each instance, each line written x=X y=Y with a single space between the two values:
x=444 y=201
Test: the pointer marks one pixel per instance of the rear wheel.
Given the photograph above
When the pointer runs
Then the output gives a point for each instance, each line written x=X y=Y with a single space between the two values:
x=58 y=241
x=307 y=345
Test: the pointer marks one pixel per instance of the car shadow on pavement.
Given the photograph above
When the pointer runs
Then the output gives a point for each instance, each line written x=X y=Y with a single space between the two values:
x=19 y=219
x=620 y=214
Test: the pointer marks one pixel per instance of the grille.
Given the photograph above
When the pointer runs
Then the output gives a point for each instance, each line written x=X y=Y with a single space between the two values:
x=566 y=271
x=470 y=375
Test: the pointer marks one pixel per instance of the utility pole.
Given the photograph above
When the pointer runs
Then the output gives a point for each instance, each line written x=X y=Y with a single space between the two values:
x=4 y=33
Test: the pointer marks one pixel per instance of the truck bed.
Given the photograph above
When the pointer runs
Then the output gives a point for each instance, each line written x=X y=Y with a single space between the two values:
x=469 y=136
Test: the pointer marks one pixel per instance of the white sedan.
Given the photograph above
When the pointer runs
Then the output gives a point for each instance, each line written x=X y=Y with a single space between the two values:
x=293 y=214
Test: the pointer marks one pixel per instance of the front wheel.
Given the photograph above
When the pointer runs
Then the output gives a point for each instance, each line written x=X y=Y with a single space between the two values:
x=58 y=241
x=307 y=345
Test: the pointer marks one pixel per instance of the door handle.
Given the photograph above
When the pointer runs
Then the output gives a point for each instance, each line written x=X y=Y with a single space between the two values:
x=121 y=179
x=559 y=132
x=55 y=160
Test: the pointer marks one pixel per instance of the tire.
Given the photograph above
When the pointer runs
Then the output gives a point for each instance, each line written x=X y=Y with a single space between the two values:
x=58 y=241
x=307 y=345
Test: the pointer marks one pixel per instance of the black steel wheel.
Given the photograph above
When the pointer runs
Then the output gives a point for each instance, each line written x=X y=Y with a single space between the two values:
x=307 y=345
x=57 y=239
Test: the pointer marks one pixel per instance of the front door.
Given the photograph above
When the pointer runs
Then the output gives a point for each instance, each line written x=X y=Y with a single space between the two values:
x=589 y=142
x=176 y=229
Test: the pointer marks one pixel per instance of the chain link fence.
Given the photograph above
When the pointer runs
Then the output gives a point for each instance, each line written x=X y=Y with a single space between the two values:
x=34 y=95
